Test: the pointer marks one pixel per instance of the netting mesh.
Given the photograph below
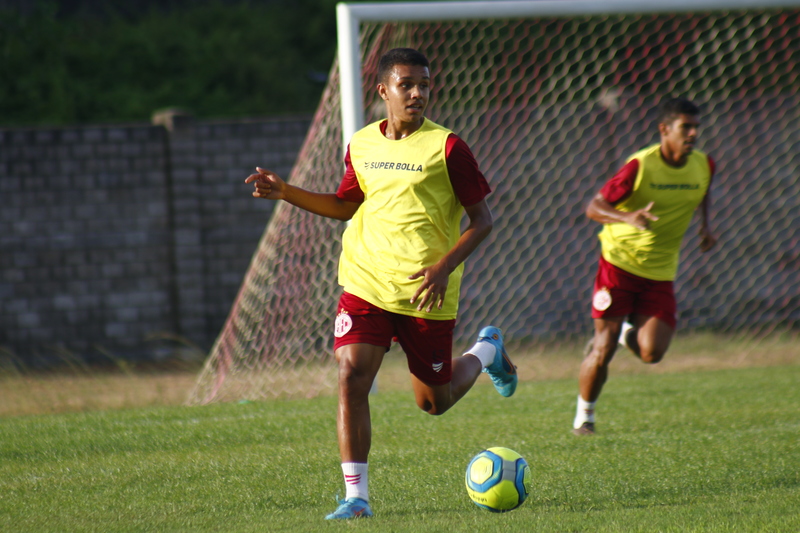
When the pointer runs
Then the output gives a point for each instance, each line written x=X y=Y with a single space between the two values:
x=551 y=108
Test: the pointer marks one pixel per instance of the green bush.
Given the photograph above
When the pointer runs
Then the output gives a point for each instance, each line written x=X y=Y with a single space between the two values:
x=216 y=60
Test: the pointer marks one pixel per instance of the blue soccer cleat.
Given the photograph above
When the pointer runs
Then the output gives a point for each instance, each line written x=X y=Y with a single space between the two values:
x=351 y=508
x=502 y=370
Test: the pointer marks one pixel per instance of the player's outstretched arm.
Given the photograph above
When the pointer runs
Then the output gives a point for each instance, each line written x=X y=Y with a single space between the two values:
x=600 y=210
x=270 y=186
x=436 y=277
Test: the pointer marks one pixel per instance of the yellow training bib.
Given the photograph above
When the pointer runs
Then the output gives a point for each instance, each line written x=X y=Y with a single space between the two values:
x=675 y=193
x=410 y=218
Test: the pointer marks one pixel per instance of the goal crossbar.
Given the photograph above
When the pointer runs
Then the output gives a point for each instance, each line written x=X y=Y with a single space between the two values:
x=350 y=15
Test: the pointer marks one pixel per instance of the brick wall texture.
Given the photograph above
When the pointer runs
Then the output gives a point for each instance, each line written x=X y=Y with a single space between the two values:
x=123 y=241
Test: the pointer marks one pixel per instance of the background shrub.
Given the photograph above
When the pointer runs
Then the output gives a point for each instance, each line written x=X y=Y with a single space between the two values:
x=120 y=61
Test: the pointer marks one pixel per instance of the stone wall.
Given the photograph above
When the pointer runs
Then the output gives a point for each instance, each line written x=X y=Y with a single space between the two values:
x=116 y=238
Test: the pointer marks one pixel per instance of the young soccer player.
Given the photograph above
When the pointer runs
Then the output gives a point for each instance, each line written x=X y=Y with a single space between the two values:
x=406 y=186
x=645 y=210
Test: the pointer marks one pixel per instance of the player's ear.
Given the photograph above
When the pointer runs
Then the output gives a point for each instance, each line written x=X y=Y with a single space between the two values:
x=382 y=91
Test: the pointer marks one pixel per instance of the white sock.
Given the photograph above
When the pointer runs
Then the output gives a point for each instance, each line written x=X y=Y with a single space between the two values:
x=355 y=480
x=584 y=413
x=626 y=327
x=484 y=351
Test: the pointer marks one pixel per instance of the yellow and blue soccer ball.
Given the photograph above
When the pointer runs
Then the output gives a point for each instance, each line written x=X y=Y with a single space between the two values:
x=498 y=479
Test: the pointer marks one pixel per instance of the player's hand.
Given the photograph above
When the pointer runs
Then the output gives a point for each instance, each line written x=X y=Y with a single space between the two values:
x=433 y=288
x=267 y=184
x=707 y=239
x=641 y=218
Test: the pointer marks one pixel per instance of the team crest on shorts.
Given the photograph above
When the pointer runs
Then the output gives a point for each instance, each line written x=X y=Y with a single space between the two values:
x=343 y=324
x=602 y=299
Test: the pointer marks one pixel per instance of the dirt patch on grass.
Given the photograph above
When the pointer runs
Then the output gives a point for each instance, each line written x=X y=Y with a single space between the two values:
x=53 y=393
x=31 y=393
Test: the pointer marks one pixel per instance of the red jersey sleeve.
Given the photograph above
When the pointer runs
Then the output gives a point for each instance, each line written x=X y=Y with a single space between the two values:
x=349 y=189
x=469 y=183
x=713 y=168
x=620 y=186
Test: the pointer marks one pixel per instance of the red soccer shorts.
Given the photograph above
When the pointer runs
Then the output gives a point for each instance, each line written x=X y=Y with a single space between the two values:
x=620 y=293
x=428 y=344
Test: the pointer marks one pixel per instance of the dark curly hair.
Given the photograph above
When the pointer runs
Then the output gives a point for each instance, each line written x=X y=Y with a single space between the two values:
x=673 y=107
x=400 y=56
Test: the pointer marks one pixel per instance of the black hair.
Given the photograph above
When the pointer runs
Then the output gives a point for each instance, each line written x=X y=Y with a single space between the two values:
x=673 y=107
x=400 y=56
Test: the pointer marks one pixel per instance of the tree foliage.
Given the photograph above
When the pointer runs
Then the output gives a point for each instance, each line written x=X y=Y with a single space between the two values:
x=214 y=59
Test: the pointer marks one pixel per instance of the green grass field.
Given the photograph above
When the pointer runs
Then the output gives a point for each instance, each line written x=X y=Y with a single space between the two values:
x=708 y=450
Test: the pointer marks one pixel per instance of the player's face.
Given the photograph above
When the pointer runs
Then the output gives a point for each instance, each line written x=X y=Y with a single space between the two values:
x=406 y=92
x=679 y=136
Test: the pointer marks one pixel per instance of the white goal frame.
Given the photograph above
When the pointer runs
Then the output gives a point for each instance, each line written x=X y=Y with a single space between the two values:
x=350 y=15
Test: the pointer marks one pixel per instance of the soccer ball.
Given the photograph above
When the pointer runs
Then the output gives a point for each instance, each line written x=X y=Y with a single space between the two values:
x=498 y=479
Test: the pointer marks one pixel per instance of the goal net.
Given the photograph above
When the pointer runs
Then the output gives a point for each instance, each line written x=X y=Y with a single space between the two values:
x=551 y=106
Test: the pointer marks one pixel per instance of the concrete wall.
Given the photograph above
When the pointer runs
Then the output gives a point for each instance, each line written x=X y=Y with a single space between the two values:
x=114 y=238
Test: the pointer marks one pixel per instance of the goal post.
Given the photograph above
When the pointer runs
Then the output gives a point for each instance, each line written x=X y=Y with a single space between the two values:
x=551 y=96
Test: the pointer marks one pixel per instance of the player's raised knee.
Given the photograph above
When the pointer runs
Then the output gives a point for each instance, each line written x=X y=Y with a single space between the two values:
x=433 y=407
x=651 y=357
x=434 y=402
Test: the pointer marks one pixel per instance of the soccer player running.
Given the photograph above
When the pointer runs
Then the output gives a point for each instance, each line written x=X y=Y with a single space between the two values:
x=645 y=210
x=406 y=185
